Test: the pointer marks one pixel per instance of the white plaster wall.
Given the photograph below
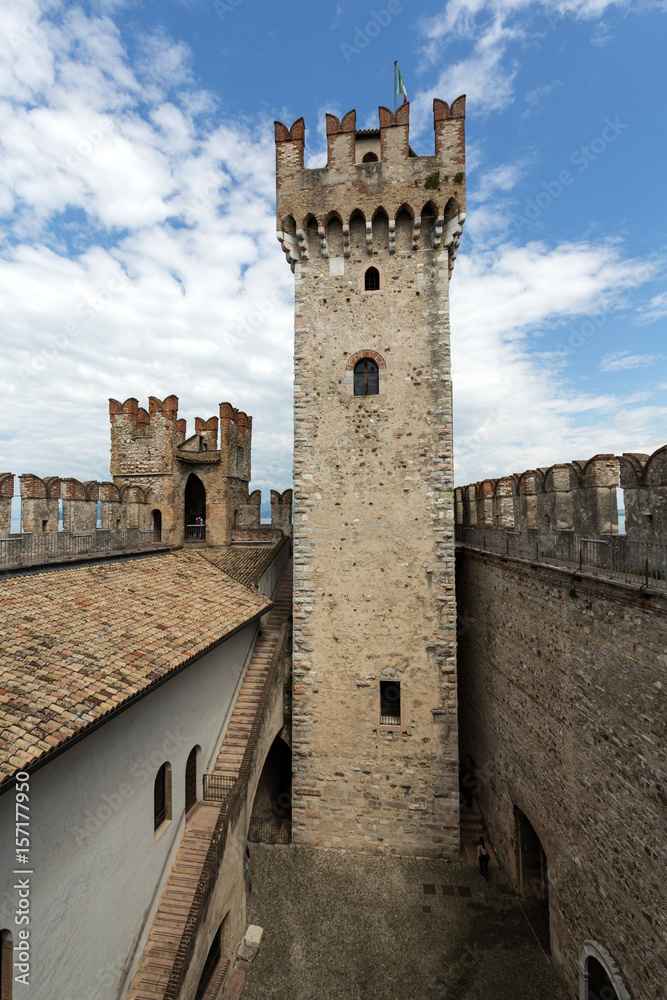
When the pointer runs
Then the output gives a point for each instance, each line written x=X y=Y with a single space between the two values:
x=98 y=870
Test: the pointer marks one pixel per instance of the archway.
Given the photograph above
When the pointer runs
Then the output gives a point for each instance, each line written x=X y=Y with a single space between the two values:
x=599 y=977
x=191 y=795
x=157 y=525
x=195 y=508
x=214 y=971
x=533 y=875
x=271 y=818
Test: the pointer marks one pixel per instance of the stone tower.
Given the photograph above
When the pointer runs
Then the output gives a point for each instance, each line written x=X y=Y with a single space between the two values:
x=204 y=475
x=372 y=239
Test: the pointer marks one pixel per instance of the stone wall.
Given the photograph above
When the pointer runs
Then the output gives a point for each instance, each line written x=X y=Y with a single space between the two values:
x=374 y=589
x=574 y=496
x=562 y=713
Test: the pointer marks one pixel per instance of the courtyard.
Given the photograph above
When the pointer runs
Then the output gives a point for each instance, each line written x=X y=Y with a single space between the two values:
x=344 y=926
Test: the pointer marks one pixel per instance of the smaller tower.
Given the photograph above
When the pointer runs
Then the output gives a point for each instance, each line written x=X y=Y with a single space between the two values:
x=203 y=476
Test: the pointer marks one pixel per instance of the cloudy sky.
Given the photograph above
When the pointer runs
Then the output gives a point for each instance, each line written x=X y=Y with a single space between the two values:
x=138 y=250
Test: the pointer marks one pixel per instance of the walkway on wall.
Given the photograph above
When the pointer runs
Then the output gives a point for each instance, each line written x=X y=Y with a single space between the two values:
x=177 y=898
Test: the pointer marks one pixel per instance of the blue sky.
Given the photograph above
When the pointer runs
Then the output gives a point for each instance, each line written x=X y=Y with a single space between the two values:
x=138 y=253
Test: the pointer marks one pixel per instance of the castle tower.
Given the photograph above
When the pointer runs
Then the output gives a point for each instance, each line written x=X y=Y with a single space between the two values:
x=188 y=477
x=372 y=239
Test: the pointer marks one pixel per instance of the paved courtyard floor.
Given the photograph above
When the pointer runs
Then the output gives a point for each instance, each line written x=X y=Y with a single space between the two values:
x=343 y=926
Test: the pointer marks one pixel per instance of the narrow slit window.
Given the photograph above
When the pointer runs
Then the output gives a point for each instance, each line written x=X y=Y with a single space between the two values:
x=372 y=280
x=366 y=378
x=390 y=703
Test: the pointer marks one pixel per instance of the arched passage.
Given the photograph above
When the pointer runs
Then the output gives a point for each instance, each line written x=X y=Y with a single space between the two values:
x=157 y=525
x=195 y=508
x=271 y=817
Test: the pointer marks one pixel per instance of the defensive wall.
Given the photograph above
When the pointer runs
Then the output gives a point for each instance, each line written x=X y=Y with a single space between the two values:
x=562 y=675
x=576 y=496
x=161 y=479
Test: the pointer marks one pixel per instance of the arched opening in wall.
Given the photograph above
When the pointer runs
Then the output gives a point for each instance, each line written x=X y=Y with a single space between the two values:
x=312 y=235
x=195 y=509
x=366 y=378
x=271 y=818
x=215 y=970
x=427 y=232
x=452 y=209
x=6 y=964
x=370 y=158
x=335 y=238
x=357 y=232
x=599 y=977
x=403 y=231
x=533 y=876
x=191 y=769
x=600 y=986
x=162 y=799
x=380 y=230
x=371 y=279
x=157 y=525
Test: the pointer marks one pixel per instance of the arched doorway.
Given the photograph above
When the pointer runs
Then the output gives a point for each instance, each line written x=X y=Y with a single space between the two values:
x=195 y=508
x=191 y=779
x=213 y=972
x=271 y=819
x=599 y=977
x=157 y=525
x=533 y=875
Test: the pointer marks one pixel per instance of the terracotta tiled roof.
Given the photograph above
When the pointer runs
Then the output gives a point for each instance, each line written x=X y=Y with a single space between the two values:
x=75 y=644
x=245 y=563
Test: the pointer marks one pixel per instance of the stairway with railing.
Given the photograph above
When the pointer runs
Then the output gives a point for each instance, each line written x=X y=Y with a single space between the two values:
x=192 y=868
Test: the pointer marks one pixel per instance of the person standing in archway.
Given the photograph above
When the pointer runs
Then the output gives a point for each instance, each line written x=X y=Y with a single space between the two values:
x=483 y=859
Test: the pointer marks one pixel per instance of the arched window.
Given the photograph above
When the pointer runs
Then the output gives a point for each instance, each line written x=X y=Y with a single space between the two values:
x=366 y=378
x=370 y=158
x=372 y=280
x=191 y=779
x=162 y=798
x=6 y=970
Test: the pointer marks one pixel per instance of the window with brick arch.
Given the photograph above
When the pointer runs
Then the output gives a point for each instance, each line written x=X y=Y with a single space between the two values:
x=366 y=378
x=372 y=280
x=6 y=960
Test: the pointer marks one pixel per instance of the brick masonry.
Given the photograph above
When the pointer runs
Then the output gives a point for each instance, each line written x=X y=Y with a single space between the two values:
x=374 y=589
x=562 y=691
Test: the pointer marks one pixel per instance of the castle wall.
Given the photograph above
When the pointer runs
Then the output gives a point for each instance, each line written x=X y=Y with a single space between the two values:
x=374 y=589
x=561 y=688
x=577 y=496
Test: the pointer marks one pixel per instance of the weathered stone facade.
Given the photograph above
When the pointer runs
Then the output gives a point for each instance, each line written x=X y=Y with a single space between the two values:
x=374 y=589
x=562 y=688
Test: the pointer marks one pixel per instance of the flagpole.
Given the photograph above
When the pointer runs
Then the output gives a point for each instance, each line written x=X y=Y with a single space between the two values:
x=395 y=65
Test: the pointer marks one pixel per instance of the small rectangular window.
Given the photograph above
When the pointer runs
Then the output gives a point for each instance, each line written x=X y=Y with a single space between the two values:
x=390 y=703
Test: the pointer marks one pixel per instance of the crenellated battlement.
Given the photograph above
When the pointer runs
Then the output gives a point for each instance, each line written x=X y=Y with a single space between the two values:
x=374 y=192
x=579 y=496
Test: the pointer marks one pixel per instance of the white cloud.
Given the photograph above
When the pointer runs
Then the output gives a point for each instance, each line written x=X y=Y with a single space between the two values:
x=622 y=360
x=655 y=310
x=494 y=28
x=514 y=407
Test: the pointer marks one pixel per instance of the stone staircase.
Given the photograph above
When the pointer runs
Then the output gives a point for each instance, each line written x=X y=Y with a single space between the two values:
x=169 y=924
x=470 y=825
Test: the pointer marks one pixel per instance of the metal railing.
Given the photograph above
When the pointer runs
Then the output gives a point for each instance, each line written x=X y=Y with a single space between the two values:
x=270 y=831
x=217 y=787
x=60 y=546
x=195 y=532
x=615 y=557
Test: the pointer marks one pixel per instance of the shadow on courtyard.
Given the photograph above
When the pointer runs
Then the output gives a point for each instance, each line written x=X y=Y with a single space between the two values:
x=343 y=926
